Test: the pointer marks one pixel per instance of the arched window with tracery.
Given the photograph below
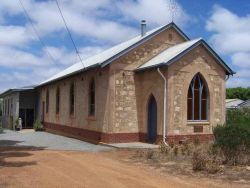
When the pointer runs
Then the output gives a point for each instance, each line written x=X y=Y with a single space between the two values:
x=197 y=102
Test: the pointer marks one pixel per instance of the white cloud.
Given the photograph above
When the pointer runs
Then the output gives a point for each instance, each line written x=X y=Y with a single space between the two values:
x=27 y=68
x=231 y=36
x=231 y=32
x=241 y=59
x=15 y=35
x=156 y=13
x=102 y=23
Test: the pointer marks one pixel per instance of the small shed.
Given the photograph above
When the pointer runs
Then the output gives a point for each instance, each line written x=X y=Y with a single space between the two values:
x=245 y=104
x=19 y=103
x=233 y=103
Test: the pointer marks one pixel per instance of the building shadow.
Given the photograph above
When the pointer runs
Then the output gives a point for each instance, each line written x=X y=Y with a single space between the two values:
x=12 y=155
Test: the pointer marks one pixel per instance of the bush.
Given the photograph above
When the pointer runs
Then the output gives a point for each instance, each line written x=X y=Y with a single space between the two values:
x=199 y=160
x=238 y=117
x=234 y=137
x=38 y=126
x=207 y=159
x=163 y=148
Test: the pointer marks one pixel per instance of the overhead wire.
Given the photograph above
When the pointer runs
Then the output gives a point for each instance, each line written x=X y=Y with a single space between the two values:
x=67 y=28
x=36 y=32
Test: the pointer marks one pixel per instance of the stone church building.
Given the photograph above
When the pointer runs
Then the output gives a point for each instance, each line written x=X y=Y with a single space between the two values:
x=159 y=84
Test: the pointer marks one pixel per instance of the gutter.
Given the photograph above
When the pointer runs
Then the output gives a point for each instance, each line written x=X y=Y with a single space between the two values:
x=164 y=107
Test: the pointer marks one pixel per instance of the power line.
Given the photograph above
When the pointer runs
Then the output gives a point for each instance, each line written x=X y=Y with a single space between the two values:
x=35 y=31
x=64 y=21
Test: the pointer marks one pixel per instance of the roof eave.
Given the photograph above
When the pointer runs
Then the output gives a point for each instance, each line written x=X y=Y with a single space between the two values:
x=229 y=70
x=201 y=41
x=10 y=91
x=68 y=75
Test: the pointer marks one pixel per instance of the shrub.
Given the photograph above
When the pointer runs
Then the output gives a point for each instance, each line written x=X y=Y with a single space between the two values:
x=186 y=149
x=176 y=150
x=238 y=117
x=199 y=160
x=37 y=126
x=206 y=158
x=163 y=148
x=234 y=139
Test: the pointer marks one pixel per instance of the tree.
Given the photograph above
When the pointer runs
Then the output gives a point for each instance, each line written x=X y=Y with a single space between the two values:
x=239 y=93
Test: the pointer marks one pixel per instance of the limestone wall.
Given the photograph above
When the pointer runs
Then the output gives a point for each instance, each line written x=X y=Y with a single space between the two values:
x=126 y=92
x=179 y=78
x=80 y=118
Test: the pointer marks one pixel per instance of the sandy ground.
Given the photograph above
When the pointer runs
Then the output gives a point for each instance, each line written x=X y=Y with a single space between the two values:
x=24 y=167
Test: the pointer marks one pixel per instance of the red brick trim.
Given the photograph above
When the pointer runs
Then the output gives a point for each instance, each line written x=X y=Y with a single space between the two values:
x=202 y=138
x=95 y=136
x=91 y=136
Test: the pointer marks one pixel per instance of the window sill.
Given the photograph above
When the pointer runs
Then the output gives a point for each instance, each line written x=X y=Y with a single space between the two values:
x=198 y=122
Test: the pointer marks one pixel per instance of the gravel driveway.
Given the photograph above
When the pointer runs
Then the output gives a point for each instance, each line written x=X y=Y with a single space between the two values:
x=46 y=141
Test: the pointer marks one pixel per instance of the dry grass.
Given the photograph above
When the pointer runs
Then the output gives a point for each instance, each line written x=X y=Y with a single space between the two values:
x=201 y=160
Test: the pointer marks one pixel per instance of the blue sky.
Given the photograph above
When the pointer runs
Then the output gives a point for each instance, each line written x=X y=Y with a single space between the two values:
x=99 y=24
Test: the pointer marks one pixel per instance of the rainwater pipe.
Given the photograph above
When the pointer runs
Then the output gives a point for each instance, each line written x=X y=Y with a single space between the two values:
x=164 y=108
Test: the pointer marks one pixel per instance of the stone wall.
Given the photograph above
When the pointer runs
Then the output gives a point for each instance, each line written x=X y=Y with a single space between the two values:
x=179 y=78
x=126 y=93
x=80 y=118
x=150 y=83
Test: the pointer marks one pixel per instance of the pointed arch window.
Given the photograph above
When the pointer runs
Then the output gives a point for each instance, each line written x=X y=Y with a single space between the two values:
x=92 y=97
x=57 y=100
x=72 y=98
x=197 y=101
x=47 y=101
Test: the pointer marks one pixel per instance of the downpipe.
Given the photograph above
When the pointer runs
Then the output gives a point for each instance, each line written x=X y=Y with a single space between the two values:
x=164 y=108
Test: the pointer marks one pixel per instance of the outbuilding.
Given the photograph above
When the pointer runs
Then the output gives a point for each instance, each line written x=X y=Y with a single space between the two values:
x=19 y=103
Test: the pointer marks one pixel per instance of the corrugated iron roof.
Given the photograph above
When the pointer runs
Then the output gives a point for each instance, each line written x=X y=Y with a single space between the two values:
x=17 y=89
x=110 y=54
x=173 y=53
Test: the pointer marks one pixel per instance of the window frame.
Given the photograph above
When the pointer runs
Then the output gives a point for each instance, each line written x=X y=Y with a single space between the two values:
x=202 y=88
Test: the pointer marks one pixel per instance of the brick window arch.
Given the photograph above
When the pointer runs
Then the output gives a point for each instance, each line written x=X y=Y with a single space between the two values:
x=92 y=97
x=197 y=102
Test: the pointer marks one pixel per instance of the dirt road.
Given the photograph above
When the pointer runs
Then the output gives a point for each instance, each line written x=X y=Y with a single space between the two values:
x=42 y=168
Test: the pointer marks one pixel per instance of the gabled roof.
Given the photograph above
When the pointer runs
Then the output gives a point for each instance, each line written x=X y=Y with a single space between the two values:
x=174 y=53
x=17 y=89
x=111 y=54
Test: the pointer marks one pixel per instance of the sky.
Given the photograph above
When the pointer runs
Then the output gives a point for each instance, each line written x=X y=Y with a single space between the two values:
x=96 y=25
